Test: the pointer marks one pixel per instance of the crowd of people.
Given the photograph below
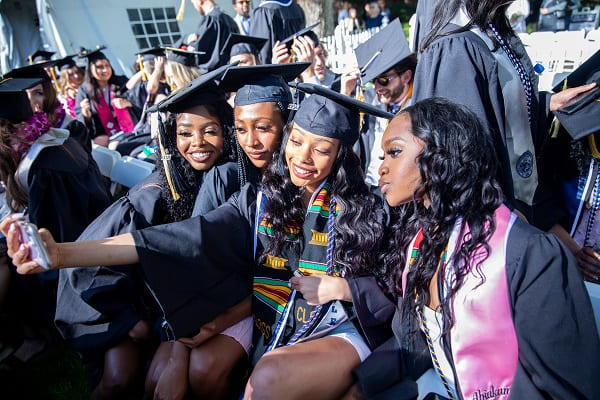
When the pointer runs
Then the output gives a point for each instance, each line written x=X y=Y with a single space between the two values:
x=419 y=226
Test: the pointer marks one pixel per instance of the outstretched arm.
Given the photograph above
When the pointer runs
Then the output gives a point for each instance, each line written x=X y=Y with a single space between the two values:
x=117 y=250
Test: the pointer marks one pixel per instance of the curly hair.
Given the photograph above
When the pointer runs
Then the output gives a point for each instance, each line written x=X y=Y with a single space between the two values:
x=182 y=208
x=458 y=170
x=482 y=13
x=178 y=75
x=359 y=226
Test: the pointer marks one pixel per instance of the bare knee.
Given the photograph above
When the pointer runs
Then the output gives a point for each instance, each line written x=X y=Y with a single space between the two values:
x=267 y=377
x=204 y=366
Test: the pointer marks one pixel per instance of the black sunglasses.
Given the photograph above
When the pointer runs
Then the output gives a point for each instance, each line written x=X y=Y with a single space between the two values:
x=384 y=80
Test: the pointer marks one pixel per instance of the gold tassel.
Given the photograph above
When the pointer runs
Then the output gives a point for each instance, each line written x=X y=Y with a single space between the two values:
x=165 y=159
x=30 y=60
x=54 y=79
x=181 y=11
x=141 y=64
x=555 y=126
x=593 y=147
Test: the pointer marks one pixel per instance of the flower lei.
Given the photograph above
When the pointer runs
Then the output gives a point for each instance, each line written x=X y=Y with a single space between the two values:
x=25 y=133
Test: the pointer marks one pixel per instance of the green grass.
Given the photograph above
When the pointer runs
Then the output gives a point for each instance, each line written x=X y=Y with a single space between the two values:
x=57 y=374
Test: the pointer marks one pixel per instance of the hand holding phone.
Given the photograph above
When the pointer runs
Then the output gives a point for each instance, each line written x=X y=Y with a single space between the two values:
x=31 y=238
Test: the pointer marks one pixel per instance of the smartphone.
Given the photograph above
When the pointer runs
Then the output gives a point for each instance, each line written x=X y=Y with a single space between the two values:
x=37 y=249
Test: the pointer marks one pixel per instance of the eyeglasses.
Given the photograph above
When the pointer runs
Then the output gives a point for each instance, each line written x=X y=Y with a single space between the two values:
x=384 y=80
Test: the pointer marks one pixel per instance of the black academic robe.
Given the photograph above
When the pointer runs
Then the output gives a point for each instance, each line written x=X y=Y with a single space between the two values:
x=219 y=184
x=557 y=338
x=96 y=307
x=275 y=21
x=461 y=68
x=95 y=126
x=212 y=32
x=211 y=264
x=66 y=190
x=65 y=193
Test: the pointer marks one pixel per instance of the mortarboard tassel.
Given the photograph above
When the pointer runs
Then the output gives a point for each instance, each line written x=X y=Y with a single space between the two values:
x=141 y=64
x=176 y=183
x=181 y=11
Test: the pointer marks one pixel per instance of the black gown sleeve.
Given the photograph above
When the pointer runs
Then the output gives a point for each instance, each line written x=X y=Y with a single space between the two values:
x=218 y=185
x=373 y=309
x=96 y=307
x=559 y=349
x=66 y=191
x=461 y=68
x=202 y=266
x=263 y=22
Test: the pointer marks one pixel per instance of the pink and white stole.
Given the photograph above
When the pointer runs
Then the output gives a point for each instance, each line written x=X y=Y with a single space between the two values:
x=483 y=338
x=115 y=120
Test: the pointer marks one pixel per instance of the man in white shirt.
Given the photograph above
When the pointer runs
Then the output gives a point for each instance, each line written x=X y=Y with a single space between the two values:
x=242 y=16
x=386 y=61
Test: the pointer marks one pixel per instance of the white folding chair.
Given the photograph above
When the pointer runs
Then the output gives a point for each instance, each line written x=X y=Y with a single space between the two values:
x=594 y=292
x=129 y=171
x=105 y=158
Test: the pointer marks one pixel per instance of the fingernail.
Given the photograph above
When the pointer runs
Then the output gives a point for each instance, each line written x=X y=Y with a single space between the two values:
x=11 y=228
x=22 y=247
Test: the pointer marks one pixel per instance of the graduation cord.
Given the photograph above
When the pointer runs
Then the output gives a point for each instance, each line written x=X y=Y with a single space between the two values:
x=595 y=203
x=523 y=75
x=434 y=358
x=330 y=245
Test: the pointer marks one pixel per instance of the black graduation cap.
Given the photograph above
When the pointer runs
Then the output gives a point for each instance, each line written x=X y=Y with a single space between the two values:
x=261 y=83
x=581 y=116
x=37 y=71
x=202 y=90
x=581 y=75
x=302 y=32
x=93 y=55
x=382 y=51
x=151 y=53
x=188 y=58
x=332 y=114
x=66 y=62
x=14 y=102
x=237 y=44
x=40 y=55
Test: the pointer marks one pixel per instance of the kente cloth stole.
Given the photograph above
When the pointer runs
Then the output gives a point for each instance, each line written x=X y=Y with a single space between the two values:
x=113 y=119
x=271 y=279
x=484 y=346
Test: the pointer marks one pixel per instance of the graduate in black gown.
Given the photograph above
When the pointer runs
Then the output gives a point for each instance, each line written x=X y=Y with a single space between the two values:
x=500 y=304
x=211 y=34
x=106 y=313
x=228 y=246
x=275 y=20
x=99 y=103
x=150 y=88
x=47 y=175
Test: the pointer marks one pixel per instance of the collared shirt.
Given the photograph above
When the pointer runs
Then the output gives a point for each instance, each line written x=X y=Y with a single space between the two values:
x=243 y=24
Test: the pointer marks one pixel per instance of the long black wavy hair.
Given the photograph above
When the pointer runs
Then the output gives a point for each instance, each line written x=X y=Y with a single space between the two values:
x=182 y=208
x=359 y=226
x=458 y=168
x=482 y=13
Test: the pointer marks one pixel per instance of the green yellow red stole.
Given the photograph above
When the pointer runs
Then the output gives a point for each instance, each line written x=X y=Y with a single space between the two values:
x=271 y=287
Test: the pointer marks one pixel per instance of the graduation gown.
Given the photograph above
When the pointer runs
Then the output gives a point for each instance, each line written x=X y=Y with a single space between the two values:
x=65 y=193
x=212 y=262
x=212 y=32
x=461 y=68
x=275 y=20
x=96 y=307
x=558 y=345
x=95 y=126
x=219 y=184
